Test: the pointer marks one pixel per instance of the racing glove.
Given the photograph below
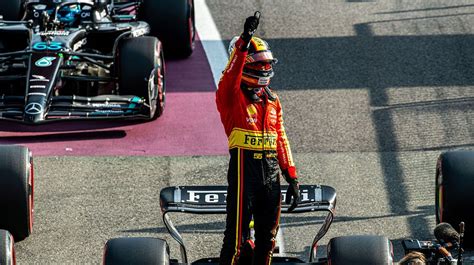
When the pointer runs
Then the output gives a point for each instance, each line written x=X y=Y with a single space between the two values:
x=250 y=26
x=293 y=191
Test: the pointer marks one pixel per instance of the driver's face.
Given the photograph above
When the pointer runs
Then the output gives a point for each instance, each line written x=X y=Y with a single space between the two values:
x=265 y=66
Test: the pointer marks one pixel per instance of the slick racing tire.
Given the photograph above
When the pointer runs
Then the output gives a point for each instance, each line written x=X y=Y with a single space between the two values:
x=7 y=250
x=173 y=22
x=11 y=9
x=454 y=191
x=136 y=250
x=360 y=250
x=16 y=191
x=142 y=72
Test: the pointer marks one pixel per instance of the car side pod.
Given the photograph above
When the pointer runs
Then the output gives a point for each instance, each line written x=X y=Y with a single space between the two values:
x=7 y=251
x=211 y=200
x=454 y=191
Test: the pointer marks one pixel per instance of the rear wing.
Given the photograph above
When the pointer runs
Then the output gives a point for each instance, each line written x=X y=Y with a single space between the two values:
x=212 y=200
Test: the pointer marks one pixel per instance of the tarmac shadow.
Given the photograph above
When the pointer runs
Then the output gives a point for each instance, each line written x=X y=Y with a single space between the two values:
x=62 y=137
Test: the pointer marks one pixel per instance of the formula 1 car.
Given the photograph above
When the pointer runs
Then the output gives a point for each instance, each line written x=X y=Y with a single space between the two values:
x=89 y=59
x=354 y=250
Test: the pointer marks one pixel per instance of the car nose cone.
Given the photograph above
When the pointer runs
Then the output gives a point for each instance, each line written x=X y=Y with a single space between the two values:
x=33 y=112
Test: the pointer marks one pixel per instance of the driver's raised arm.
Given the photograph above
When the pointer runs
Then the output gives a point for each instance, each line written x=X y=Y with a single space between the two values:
x=229 y=84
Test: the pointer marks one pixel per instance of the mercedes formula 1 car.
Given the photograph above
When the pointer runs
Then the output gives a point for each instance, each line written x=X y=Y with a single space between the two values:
x=89 y=59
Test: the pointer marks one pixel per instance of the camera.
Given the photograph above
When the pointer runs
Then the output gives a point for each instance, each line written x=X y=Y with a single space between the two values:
x=438 y=251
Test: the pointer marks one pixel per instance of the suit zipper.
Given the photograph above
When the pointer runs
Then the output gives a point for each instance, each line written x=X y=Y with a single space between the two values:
x=263 y=141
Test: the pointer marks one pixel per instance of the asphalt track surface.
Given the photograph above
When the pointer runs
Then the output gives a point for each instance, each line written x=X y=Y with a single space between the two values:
x=372 y=91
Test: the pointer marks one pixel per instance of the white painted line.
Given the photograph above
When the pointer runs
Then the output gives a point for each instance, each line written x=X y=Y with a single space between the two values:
x=211 y=39
x=280 y=243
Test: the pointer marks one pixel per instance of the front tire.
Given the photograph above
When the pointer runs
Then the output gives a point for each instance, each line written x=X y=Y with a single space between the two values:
x=454 y=187
x=11 y=9
x=360 y=250
x=142 y=72
x=173 y=22
x=16 y=191
x=136 y=250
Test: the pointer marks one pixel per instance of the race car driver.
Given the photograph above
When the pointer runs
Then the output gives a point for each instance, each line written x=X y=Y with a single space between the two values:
x=252 y=117
x=71 y=13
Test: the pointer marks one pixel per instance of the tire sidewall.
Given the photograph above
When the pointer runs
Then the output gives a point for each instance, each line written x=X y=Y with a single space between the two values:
x=7 y=250
x=15 y=189
x=455 y=180
x=138 y=60
x=173 y=22
x=11 y=9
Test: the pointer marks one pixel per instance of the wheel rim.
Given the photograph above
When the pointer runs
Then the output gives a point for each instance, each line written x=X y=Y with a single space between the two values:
x=156 y=81
x=161 y=87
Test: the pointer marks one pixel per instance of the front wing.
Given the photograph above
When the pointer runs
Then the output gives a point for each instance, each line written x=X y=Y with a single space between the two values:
x=13 y=108
x=212 y=200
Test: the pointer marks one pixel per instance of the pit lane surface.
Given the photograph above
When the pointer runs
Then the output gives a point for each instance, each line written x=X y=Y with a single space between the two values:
x=372 y=93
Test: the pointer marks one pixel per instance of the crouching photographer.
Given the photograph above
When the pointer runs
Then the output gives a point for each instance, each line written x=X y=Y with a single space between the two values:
x=413 y=258
x=439 y=251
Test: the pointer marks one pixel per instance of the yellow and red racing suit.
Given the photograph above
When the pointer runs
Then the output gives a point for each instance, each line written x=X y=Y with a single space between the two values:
x=258 y=149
